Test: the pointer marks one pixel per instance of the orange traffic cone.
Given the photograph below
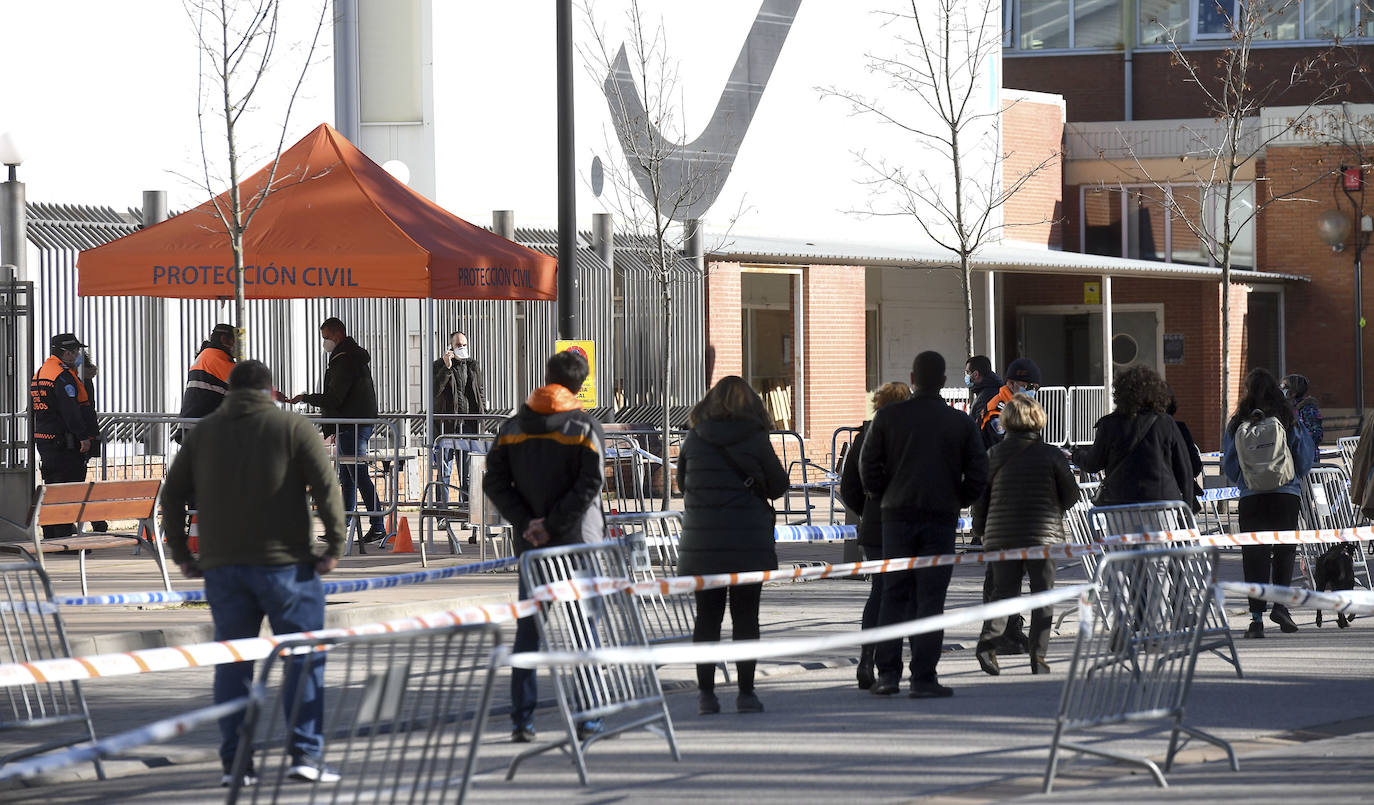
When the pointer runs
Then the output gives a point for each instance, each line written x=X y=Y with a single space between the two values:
x=401 y=542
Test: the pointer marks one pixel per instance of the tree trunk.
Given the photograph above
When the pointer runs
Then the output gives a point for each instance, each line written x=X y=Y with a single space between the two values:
x=666 y=358
x=966 y=275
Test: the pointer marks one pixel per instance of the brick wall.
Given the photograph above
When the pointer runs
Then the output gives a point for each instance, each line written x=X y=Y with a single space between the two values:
x=724 y=352
x=1093 y=85
x=1319 y=316
x=834 y=353
x=1031 y=132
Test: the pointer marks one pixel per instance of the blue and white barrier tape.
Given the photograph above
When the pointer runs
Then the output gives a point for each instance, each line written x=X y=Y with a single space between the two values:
x=330 y=587
x=157 y=732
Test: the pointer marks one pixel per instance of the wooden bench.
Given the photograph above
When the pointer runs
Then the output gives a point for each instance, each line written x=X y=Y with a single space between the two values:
x=85 y=502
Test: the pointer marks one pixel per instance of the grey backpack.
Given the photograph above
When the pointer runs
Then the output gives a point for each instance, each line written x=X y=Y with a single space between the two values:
x=1262 y=447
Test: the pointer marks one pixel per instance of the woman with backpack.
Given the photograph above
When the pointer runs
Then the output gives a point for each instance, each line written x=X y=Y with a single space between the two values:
x=1030 y=486
x=728 y=474
x=1266 y=453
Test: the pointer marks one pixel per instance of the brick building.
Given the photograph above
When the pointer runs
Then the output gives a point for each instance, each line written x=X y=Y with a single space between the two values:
x=1134 y=129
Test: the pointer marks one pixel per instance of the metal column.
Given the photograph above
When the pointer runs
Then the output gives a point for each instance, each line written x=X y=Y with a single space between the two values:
x=1107 y=343
x=567 y=189
x=990 y=314
x=347 y=99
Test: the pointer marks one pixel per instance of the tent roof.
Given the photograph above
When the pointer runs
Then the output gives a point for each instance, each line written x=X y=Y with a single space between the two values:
x=334 y=225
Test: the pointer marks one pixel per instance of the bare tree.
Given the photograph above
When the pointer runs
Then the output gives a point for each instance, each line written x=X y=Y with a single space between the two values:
x=1235 y=86
x=240 y=42
x=665 y=180
x=943 y=50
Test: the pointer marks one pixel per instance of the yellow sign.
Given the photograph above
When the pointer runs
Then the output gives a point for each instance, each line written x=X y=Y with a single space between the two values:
x=586 y=349
x=1092 y=293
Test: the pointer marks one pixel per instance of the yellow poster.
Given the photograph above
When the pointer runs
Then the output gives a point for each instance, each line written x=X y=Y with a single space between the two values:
x=1092 y=293
x=586 y=349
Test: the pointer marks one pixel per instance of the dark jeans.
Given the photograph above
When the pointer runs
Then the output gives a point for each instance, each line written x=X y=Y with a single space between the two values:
x=744 y=625
x=1015 y=623
x=444 y=457
x=875 y=589
x=292 y=598
x=61 y=467
x=1006 y=583
x=912 y=594
x=524 y=688
x=351 y=440
x=1268 y=564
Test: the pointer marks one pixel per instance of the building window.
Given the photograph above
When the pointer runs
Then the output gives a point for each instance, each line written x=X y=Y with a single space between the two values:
x=1044 y=24
x=1214 y=18
x=1140 y=223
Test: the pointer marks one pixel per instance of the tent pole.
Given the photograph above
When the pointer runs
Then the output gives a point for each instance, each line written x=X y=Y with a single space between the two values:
x=567 y=199
x=427 y=377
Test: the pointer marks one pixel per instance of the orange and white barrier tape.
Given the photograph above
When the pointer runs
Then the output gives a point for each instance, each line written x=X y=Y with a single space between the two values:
x=64 y=669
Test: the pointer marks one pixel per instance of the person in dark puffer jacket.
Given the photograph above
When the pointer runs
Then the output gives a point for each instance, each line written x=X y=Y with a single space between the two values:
x=728 y=473
x=870 y=523
x=1030 y=487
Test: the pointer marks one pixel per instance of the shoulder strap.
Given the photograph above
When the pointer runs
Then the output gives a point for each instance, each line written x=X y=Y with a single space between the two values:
x=750 y=482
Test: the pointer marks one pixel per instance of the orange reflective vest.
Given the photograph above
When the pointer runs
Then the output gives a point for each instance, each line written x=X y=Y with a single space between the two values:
x=56 y=396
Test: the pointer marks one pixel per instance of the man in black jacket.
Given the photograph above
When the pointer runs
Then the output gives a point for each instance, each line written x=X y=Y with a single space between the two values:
x=458 y=389
x=924 y=461
x=983 y=384
x=544 y=474
x=349 y=394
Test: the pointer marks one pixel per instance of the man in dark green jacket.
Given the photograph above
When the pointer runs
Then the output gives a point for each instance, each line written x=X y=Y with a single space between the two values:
x=249 y=466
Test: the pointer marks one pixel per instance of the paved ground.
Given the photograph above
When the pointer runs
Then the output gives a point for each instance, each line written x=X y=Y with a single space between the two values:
x=1301 y=720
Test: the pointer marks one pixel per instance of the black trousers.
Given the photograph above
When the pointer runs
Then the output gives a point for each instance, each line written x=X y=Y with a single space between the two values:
x=912 y=594
x=1015 y=623
x=1268 y=564
x=875 y=589
x=1006 y=578
x=61 y=467
x=744 y=625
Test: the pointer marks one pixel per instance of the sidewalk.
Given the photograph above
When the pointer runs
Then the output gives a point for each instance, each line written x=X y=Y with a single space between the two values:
x=823 y=740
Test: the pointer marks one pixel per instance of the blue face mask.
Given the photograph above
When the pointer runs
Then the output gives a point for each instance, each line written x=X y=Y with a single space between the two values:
x=1028 y=392
x=968 y=380
x=80 y=360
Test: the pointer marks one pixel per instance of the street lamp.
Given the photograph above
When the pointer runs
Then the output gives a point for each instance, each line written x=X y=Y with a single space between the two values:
x=13 y=223
x=1334 y=228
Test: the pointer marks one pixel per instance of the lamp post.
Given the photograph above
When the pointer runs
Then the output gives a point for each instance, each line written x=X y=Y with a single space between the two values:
x=1334 y=228
x=13 y=219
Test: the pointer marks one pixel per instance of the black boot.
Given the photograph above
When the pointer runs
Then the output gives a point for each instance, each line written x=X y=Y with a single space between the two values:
x=865 y=670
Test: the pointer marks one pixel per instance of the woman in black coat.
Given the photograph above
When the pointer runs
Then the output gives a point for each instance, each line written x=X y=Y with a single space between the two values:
x=728 y=473
x=1030 y=486
x=1139 y=446
x=870 y=522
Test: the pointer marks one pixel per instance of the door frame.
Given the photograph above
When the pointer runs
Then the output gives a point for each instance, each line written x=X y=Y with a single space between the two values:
x=1156 y=308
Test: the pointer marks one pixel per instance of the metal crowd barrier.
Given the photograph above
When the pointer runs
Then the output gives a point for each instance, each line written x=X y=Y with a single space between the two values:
x=804 y=475
x=1058 y=414
x=840 y=443
x=1326 y=504
x=626 y=696
x=1136 y=651
x=630 y=474
x=401 y=718
x=54 y=714
x=1347 y=446
x=1107 y=521
x=650 y=541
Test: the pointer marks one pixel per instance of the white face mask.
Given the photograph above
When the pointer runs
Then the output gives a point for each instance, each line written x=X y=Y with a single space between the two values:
x=329 y=344
x=462 y=353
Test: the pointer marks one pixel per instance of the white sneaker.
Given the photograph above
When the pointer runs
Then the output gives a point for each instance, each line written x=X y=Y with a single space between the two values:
x=311 y=772
x=249 y=779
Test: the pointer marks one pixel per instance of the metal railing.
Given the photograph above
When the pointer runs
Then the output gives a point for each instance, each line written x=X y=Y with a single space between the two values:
x=399 y=716
x=33 y=629
x=626 y=696
x=1133 y=660
x=650 y=542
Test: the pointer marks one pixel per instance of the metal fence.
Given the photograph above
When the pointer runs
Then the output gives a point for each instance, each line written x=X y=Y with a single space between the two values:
x=650 y=542
x=143 y=346
x=1134 y=518
x=626 y=696
x=400 y=716
x=1136 y=650
x=1326 y=504
x=52 y=714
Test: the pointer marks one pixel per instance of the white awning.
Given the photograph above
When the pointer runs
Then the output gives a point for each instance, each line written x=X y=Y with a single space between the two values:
x=1006 y=256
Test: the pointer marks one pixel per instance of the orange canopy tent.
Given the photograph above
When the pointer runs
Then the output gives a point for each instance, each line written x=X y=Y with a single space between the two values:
x=334 y=225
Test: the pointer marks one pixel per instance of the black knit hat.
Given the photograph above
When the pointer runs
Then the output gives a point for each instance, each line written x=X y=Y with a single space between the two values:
x=1023 y=370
